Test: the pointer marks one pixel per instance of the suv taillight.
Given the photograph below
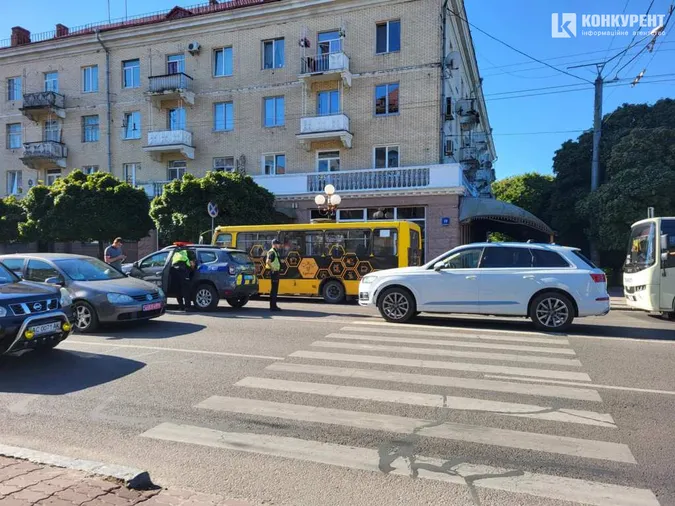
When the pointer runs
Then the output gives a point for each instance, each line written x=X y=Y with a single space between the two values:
x=232 y=270
x=599 y=278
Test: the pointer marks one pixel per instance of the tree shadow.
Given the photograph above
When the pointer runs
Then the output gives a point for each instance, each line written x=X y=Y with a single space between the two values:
x=60 y=372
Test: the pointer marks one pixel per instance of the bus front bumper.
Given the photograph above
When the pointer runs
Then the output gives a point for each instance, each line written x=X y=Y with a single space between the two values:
x=642 y=297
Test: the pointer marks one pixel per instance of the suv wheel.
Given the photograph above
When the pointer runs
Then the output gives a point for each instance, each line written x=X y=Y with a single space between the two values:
x=397 y=305
x=334 y=292
x=86 y=319
x=237 y=301
x=206 y=298
x=552 y=311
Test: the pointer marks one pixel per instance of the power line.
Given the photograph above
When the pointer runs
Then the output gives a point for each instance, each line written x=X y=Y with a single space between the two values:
x=630 y=43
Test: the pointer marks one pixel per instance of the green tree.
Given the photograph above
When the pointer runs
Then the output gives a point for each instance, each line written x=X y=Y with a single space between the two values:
x=11 y=214
x=530 y=191
x=38 y=206
x=180 y=212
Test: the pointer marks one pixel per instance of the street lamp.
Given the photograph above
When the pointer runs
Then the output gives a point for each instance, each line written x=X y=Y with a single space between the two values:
x=329 y=201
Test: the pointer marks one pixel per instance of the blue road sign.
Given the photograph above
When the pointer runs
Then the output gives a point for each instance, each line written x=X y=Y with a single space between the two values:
x=212 y=209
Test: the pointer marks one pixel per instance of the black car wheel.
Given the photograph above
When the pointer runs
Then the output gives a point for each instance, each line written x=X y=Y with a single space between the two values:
x=552 y=311
x=397 y=305
x=206 y=298
x=86 y=319
x=334 y=292
x=237 y=301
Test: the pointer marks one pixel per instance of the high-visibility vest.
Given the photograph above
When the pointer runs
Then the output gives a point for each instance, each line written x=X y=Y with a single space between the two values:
x=180 y=256
x=274 y=265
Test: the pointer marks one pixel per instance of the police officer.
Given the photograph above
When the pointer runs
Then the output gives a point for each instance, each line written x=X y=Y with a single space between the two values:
x=181 y=270
x=274 y=266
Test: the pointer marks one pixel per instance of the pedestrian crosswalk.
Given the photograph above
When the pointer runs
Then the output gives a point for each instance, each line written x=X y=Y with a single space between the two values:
x=386 y=372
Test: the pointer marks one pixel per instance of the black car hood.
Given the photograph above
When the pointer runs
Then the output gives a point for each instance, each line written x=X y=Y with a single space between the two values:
x=25 y=289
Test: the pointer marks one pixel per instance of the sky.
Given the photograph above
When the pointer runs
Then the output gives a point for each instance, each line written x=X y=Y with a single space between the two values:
x=532 y=108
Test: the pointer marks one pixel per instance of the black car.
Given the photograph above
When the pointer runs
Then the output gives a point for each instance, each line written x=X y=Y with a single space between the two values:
x=32 y=315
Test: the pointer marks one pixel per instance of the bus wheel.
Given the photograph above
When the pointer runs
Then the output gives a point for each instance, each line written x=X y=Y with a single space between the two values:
x=333 y=292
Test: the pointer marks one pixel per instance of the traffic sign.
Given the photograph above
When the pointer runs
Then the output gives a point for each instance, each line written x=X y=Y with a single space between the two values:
x=212 y=209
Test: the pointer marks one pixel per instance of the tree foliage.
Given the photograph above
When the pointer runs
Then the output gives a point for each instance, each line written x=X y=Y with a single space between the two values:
x=11 y=214
x=180 y=212
x=530 y=191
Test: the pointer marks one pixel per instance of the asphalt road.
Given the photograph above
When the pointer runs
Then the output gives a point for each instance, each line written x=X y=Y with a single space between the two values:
x=329 y=405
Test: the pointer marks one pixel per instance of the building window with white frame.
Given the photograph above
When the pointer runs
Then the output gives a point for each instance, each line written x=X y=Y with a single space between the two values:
x=175 y=64
x=131 y=73
x=223 y=164
x=90 y=79
x=275 y=111
x=176 y=169
x=14 y=88
x=131 y=127
x=386 y=157
x=273 y=53
x=90 y=128
x=222 y=62
x=52 y=130
x=176 y=118
x=14 y=182
x=52 y=81
x=90 y=169
x=328 y=161
x=52 y=176
x=223 y=116
x=274 y=164
x=129 y=171
x=388 y=35
x=386 y=99
x=14 y=140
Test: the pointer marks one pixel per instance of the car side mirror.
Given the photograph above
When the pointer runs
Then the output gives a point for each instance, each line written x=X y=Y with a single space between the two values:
x=54 y=281
x=664 y=242
x=439 y=265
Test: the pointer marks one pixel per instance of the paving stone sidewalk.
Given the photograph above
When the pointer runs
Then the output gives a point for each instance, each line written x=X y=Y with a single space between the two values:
x=23 y=483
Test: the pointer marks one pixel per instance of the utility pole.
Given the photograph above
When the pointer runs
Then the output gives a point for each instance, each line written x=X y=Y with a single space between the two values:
x=595 y=164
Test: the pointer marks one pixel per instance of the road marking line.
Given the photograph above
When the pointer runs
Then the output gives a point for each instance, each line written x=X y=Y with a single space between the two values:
x=452 y=327
x=462 y=344
x=175 y=350
x=437 y=364
x=502 y=357
x=388 y=462
x=594 y=385
x=582 y=417
x=467 y=334
x=583 y=394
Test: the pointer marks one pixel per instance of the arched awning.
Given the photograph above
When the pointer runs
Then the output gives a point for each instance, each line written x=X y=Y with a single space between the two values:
x=476 y=208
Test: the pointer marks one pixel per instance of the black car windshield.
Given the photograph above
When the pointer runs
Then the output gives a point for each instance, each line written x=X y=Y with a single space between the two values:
x=7 y=276
x=88 y=269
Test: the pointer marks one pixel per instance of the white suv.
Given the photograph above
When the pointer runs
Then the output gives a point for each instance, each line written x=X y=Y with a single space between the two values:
x=550 y=284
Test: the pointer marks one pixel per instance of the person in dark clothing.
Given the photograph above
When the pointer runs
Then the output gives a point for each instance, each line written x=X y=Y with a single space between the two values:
x=181 y=272
x=274 y=265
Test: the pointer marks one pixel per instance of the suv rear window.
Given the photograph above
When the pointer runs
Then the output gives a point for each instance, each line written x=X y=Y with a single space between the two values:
x=580 y=255
x=545 y=258
x=239 y=257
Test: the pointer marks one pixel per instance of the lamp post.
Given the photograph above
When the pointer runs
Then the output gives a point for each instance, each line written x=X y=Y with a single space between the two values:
x=329 y=201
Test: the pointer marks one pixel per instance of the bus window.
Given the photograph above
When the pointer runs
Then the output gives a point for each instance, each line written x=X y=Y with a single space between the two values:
x=414 y=252
x=224 y=240
x=351 y=241
x=314 y=244
x=641 y=249
x=385 y=242
x=246 y=240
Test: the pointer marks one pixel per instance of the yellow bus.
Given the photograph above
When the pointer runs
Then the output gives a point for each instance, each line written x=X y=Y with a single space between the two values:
x=326 y=258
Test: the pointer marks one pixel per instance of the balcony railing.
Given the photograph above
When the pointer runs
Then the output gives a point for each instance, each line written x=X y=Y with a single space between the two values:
x=45 y=149
x=169 y=138
x=327 y=123
x=329 y=62
x=44 y=100
x=170 y=82
x=153 y=188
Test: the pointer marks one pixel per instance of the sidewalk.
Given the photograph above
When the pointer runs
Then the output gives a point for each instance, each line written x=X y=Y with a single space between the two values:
x=23 y=483
x=617 y=301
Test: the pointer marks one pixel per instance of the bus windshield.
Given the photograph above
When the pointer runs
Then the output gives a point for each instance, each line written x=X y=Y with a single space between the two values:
x=641 y=248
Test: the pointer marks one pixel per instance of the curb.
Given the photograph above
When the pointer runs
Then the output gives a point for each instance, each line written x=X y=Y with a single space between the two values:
x=132 y=478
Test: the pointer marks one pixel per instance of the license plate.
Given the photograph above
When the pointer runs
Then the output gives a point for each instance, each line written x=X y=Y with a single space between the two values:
x=153 y=306
x=47 y=328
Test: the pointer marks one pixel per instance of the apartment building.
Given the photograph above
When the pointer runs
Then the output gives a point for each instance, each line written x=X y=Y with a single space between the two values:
x=380 y=98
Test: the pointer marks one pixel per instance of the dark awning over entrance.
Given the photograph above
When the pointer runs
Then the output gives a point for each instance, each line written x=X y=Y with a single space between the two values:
x=501 y=215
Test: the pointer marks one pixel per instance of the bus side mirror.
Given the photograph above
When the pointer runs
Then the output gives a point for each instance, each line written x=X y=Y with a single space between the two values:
x=664 y=242
x=664 y=258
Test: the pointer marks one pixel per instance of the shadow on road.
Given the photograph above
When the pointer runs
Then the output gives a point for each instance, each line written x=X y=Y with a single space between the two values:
x=287 y=310
x=60 y=372
x=151 y=329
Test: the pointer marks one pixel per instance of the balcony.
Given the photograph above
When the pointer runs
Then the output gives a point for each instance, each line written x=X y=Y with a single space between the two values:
x=44 y=155
x=153 y=188
x=176 y=86
x=430 y=179
x=170 y=141
x=325 y=128
x=37 y=105
x=326 y=67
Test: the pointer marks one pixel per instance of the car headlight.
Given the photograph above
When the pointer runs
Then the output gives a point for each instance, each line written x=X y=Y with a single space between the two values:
x=119 y=298
x=162 y=295
x=66 y=299
x=368 y=280
x=3 y=312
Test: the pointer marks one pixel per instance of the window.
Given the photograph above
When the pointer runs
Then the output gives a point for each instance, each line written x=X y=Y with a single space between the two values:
x=263 y=240
x=545 y=258
x=328 y=161
x=39 y=270
x=131 y=127
x=351 y=215
x=90 y=131
x=14 y=88
x=224 y=164
x=274 y=164
x=206 y=257
x=90 y=79
x=14 y=182
x=224 y=240
x=223 y=116
x=177 y=169
x=386 y=99
x=52 y=81
x=583 y=257
x=386 y=157
x=176 y=118
x=465 y=259
x=52 y=176
x=329 y=42
x=352 y=241
x=222 y=62
x=505 y=258
x=156 y=260
x=131 y=74
x=314 y=243
x=388 y=36
x=52 y=130
x=15 y=265
x=275 y=111
x=175 y=64
x=13 y=135
x=385 y=242
x=328 y=102
x=273 y=54
x=90 y=169
x=129 y=172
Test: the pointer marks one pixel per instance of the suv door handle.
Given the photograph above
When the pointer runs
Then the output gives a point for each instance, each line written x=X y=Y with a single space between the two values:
x=528 y=276
x=471 y=277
